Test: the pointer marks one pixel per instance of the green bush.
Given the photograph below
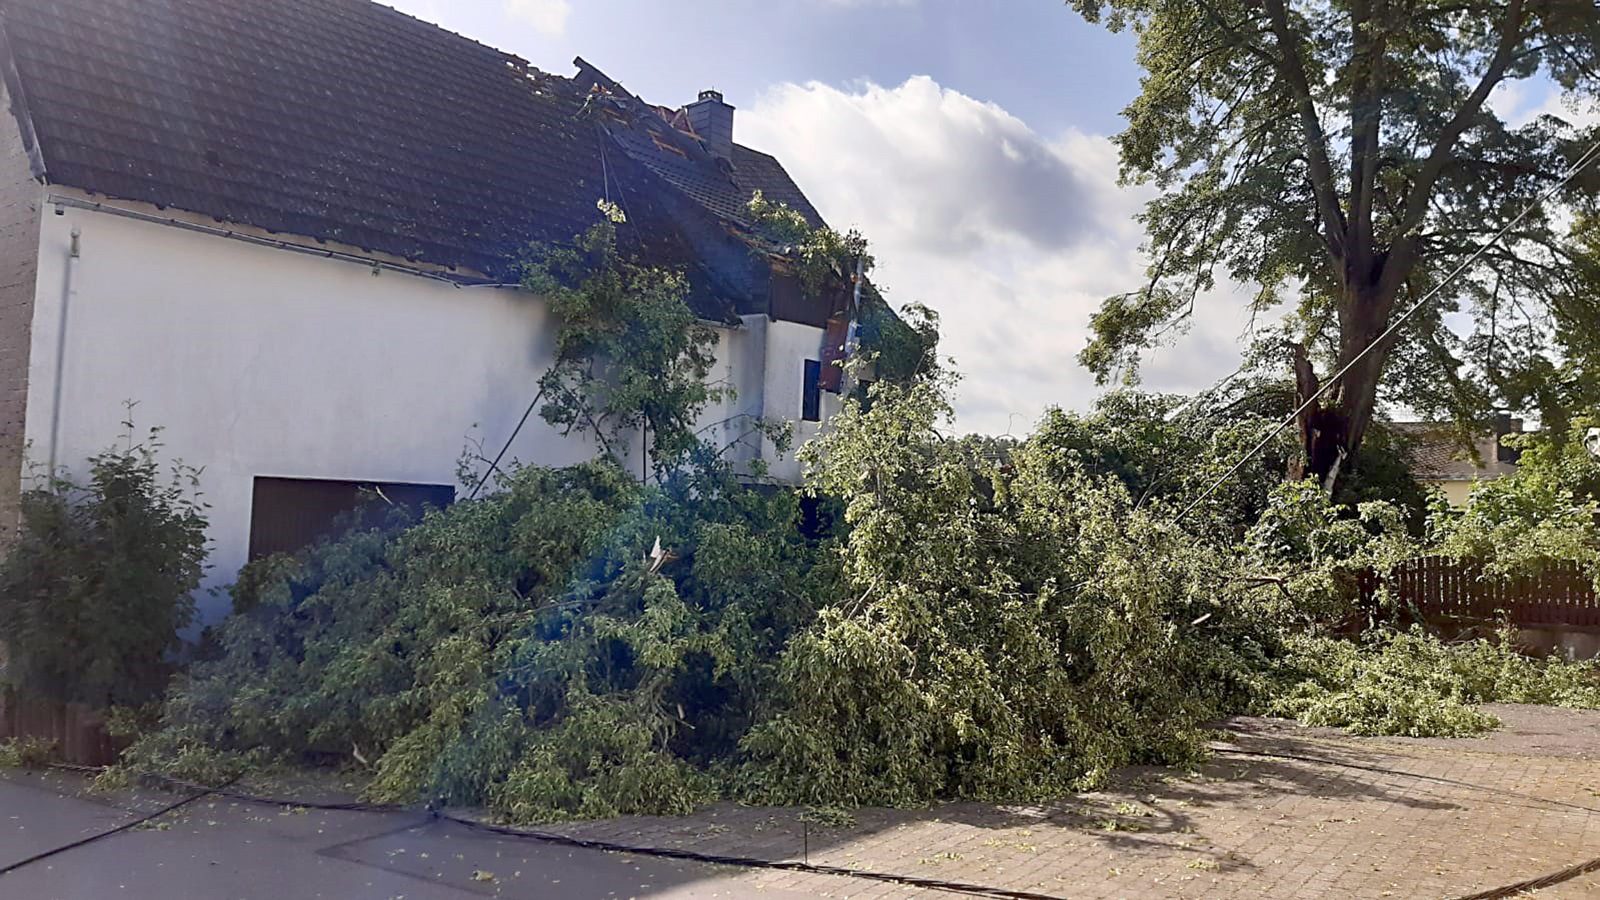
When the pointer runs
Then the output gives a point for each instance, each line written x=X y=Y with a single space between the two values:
x=99 y=584
x=27 y=753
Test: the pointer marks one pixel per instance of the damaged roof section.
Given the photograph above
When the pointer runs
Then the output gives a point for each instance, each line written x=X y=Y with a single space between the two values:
x=346 y=121
x=665 y=141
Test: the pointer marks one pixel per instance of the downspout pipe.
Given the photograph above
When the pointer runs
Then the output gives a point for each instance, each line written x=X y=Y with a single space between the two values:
x=68 y=289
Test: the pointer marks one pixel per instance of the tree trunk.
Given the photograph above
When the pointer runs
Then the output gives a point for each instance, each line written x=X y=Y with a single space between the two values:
x=1331 y=429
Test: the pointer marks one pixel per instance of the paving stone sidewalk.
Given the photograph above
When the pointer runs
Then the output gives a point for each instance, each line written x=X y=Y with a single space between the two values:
x=1279 y=812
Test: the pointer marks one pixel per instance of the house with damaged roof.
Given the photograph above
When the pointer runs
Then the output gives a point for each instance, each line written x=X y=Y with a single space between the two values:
x=290 y=232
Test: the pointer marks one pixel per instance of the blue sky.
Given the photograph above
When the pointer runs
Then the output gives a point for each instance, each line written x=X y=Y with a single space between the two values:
x=968 y=139
x=1025 y=55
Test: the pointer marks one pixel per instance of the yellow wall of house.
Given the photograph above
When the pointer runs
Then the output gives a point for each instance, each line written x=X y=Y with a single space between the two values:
x=1454 y=491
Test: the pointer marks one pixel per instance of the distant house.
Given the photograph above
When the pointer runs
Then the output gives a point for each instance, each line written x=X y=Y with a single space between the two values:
x=289 y=230
x=1438 y=459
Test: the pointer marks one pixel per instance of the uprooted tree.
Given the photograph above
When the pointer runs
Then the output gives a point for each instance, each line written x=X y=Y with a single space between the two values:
x=1346 y=151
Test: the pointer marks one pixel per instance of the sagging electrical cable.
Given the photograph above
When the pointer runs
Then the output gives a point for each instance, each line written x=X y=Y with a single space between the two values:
x=495 y=465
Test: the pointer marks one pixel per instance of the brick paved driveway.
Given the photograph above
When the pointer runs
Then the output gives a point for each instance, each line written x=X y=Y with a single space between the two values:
x=1280 y=812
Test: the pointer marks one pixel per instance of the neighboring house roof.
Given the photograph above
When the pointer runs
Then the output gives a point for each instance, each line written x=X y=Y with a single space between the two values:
x=1437 y=454
x=347 y=121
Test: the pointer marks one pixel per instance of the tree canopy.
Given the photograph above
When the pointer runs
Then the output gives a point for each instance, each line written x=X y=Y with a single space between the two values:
x=1342 y=155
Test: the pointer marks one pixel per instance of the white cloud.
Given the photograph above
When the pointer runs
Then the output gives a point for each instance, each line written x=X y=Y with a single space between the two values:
x=1520 y=102
x=548 y=17
x=1013 y=237
x=1575 y=109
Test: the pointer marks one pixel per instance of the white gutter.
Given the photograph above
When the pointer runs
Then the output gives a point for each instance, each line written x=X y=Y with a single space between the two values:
x=59 y=202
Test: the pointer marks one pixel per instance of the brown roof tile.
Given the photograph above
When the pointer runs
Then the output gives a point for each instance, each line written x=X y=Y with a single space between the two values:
x=1437 y=453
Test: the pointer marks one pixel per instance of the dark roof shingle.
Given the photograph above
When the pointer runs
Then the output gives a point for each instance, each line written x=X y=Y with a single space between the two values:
x=346 y=121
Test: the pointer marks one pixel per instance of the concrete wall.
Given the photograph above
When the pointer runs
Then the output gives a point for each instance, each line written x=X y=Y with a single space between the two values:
x=19 y=249
x=1566 y=643
x=259 y=361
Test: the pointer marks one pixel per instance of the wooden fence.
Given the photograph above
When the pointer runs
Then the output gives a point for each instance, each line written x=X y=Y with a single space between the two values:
x=77 y=730
x=1560 y=596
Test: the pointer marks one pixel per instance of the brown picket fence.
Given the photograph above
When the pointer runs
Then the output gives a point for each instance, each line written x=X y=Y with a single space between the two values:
x=1560 y=595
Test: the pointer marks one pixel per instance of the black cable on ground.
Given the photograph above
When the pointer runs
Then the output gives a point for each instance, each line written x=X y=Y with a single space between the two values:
x=746 y=862
x=1499 y=893
x=808 y=868
x=1534 y=884
x=109 y=832
x=546 y=837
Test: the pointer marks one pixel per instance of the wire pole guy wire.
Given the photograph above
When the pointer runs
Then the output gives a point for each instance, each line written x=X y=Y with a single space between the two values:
x=1583 y=161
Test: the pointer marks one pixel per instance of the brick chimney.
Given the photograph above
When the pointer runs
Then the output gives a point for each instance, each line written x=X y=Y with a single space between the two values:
x=713 y=121
x=1505 y=424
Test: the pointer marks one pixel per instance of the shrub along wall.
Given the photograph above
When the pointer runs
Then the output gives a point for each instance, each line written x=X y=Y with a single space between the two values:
x=93 y=595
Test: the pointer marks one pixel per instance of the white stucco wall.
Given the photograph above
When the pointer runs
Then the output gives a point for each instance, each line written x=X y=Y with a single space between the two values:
x=789 y=345
x=259 y=361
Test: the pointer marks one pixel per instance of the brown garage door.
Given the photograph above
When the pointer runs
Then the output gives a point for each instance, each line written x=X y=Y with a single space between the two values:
x=289 y=514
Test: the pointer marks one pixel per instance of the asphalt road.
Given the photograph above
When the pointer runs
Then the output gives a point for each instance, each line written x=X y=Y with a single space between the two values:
x=222 y=849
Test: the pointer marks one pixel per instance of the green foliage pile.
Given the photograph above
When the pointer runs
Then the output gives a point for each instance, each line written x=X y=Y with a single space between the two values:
x=932 y=617
x=1012 y=631
x=986 y=629
x=517 y=650
x=98 y=586
x=1412 y=683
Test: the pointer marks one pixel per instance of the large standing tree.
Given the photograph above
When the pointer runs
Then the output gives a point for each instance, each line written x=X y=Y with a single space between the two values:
x=1344 y=152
